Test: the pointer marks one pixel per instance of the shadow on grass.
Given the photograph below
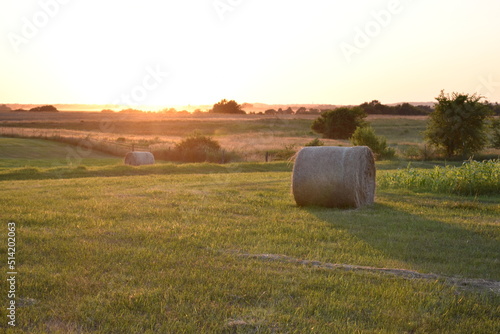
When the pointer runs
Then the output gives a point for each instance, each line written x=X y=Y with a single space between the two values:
x=69 y=172
x=424 y=244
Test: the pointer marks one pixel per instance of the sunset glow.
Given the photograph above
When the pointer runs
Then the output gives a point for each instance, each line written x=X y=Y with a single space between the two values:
x=198 y=52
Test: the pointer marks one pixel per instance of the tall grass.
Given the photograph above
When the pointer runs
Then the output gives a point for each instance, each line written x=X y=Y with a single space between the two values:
x=471 y=178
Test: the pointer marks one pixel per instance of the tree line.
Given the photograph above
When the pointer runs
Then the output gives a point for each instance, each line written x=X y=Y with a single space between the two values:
x=460 y=125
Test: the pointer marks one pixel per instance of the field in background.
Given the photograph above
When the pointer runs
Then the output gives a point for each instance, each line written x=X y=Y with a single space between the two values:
x=209 y=248
x=250 y=136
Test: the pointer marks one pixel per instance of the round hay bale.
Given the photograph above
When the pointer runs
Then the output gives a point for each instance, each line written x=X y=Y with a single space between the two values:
x=139 y=158
x=334 y=177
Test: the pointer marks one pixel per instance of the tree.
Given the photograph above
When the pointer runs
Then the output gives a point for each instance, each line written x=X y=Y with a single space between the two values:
x=227 y=107
x=301 y=110
x=375 y=107
x=339 y=123
x=4 y=107
x=458 y=124
x=45 y=109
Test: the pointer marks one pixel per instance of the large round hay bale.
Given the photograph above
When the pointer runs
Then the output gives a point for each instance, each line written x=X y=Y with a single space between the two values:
x=332 y=176
x=139 y=158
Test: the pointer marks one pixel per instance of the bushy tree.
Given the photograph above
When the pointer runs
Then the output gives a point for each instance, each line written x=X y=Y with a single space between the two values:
x=458 y=124
x=375 y=107
x=45 y=109
x=339 y=123
x=227 y=107
x=198 y=142
x=365 y=136
x=4 y=107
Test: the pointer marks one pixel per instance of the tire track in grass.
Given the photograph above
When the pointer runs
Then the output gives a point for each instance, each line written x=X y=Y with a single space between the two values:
x=464 y=283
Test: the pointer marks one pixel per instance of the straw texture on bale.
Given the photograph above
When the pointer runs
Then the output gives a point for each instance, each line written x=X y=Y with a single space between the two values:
x=139 y=158
x=334 y=177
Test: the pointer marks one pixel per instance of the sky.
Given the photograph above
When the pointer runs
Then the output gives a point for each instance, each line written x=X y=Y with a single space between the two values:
x=180 y=52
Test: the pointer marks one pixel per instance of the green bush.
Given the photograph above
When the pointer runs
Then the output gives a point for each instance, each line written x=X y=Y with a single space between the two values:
x=196 y=148
x=198 y=142
x=365 y=136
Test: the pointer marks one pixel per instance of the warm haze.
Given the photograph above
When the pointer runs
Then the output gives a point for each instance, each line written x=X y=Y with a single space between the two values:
x=282 y=51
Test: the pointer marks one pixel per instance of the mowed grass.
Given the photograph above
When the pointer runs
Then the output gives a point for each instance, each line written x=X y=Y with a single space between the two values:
x=24 y=152
x=183 y=252
x=205 y=248
x=397 y=129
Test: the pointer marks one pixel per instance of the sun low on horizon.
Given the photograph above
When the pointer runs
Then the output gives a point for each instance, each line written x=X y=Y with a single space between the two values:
x=167 y=53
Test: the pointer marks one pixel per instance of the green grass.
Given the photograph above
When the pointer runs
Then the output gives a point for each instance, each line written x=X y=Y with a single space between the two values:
x=23 y=152
x=179 y=127
x=396 y=129
x=162 y=253
x=400 y=130
x=207 y=248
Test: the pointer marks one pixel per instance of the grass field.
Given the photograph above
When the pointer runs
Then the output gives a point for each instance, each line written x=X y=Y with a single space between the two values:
x=203 y=248
x=249 y=137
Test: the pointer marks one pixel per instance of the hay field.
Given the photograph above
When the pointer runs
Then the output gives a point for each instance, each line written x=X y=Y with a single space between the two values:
x=203 y=248
x=250 y=136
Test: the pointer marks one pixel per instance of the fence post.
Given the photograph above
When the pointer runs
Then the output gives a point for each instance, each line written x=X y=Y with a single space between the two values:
x=267 y=156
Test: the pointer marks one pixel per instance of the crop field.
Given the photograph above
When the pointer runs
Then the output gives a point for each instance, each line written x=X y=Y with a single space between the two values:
x=222 y=248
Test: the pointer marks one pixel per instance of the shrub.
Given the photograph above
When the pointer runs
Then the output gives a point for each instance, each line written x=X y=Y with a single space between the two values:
x=315 y=142
x=365 y=136
x=339 y=123
x=196 y=148
x=198 y=142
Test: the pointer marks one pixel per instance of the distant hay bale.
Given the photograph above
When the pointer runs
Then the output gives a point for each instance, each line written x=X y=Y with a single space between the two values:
x=332 y=176
x=139 y=158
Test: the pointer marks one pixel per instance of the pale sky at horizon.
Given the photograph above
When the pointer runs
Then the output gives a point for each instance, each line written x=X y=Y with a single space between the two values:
x=269 y=51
